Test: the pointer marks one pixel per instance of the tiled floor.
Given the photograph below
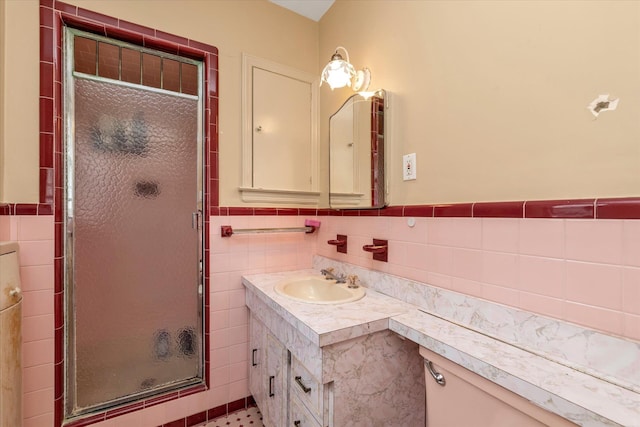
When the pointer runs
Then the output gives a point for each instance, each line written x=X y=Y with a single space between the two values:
x=245 y=418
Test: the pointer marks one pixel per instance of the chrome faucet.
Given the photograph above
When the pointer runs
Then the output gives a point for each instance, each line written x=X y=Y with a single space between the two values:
x=328 y=274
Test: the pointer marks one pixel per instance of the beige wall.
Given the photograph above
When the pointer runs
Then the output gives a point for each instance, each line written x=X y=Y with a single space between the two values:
x=492 y=95
x=19 y=90
x=257 y=27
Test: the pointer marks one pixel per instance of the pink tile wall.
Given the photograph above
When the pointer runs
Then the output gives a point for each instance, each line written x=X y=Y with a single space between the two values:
x=35 y=237
x=232 y=257
x=584 y=271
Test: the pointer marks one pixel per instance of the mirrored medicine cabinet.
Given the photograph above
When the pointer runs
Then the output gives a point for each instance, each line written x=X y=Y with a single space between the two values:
x=357 y=146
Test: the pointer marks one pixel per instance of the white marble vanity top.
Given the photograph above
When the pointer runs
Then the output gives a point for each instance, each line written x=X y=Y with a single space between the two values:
x=558 y=366
x=326 y=324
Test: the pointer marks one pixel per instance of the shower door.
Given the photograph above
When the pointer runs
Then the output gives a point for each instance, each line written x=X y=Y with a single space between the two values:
x=134 y=244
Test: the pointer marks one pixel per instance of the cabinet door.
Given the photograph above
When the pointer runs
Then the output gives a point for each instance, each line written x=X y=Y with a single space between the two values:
x=467 y=399
x=276 y=376
x=257 y=361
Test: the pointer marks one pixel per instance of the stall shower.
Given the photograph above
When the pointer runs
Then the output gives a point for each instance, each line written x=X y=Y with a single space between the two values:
x=133 y=233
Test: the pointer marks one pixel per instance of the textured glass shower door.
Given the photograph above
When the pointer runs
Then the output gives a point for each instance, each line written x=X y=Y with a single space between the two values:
x=134 y=246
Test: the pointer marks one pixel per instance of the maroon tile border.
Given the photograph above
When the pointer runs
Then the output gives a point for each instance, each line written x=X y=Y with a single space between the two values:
x=583 y=208
x=628 y=208
x=211 y=414
x=609 y=208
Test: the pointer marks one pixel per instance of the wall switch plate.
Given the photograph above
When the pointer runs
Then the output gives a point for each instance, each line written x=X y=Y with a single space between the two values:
x=409 y=167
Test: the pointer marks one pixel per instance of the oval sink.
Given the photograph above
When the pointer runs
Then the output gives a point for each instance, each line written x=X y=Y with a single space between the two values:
x=318 y=290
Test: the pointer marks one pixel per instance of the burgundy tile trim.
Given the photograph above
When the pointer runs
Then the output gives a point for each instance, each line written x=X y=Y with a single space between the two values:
x=241 y=211
x=46 y=79
x=287 y=212
x=26 y=209
x=46 y=115
x=124 y=410
x=46 y=16
x=582 y=208
x=161 y=45
x=128 y=36
x=217 y=412
x=203 y=46
x=46 y=150
x=192 y=390
x=160 y=399
x=370 y=212
x=626 y=208
x=236 y=405
x=86 y=421
x=172 y=38
x=46 y=44
x=196 y=419
x=45 y=209
x=307 y=212
x=265 y=211
x=5 y=209
x=354 y=212
x=84 y=24
x=176 y=423
x=392 y=211
x=498 y=210
x=464 y=210
x=59 y=379
x=66 y=8
x=58 y=307
x=421 y=211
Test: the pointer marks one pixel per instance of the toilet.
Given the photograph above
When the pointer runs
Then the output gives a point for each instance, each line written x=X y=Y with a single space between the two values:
x=10 y=337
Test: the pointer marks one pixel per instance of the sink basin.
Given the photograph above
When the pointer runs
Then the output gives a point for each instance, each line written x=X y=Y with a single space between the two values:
x=318 y=290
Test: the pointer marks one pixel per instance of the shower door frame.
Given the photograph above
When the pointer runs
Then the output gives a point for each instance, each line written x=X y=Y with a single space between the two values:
x=69 y=76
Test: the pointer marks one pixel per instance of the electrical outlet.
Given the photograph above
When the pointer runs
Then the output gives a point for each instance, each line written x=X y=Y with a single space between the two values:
x=409 y=167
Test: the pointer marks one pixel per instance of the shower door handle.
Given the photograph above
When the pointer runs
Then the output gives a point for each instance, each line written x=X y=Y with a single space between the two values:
x=195 y=220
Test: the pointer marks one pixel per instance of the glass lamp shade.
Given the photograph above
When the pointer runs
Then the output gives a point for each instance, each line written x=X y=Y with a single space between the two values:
x=338 y=73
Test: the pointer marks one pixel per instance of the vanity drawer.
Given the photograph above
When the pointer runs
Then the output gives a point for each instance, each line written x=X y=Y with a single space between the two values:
x=306 y=387
x=301 y=416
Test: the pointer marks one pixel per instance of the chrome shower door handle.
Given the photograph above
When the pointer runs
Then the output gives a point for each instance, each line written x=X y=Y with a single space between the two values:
x=435 y=374
x=195 y=219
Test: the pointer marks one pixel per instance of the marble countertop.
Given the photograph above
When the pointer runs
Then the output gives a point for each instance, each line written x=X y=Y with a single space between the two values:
x=579 y=397
x=539 y=376
x=326 y=324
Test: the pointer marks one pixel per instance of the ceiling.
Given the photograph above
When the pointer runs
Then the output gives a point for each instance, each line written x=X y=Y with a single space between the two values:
x=312 y=9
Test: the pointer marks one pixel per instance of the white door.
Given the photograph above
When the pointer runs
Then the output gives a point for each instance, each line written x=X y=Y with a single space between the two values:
x=281 y=132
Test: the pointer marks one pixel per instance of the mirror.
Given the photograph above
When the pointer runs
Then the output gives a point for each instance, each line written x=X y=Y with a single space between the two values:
x=357 y=153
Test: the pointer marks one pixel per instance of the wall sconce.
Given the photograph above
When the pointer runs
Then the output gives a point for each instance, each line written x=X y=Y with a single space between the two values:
x=340 y=73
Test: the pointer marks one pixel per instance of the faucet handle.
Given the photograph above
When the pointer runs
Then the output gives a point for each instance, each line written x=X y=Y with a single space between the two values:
x=327 y=271
x=352 y=281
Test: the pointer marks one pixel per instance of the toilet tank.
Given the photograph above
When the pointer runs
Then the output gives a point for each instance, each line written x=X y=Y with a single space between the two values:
x=10 y=337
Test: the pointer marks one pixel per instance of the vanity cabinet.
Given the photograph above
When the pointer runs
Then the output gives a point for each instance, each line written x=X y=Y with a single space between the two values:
x=373 y=379
x=484 y=402
x=268 y=374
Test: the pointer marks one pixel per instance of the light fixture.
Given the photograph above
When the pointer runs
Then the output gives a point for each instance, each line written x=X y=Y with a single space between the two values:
x=340 y=73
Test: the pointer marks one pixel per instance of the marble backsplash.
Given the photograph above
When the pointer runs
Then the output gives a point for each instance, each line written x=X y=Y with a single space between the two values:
x=610 y=358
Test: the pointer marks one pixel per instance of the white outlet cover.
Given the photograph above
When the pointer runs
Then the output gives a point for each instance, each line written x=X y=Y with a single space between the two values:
x=409 y=167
